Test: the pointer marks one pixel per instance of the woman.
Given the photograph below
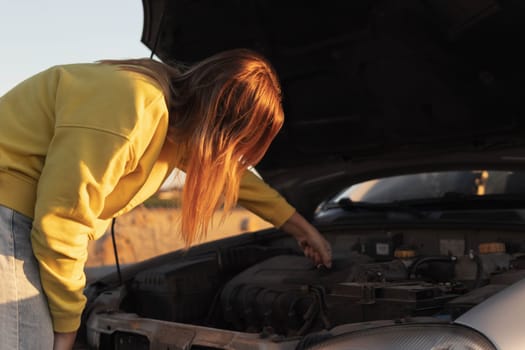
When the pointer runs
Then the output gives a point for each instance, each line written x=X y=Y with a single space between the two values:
x=83 y=143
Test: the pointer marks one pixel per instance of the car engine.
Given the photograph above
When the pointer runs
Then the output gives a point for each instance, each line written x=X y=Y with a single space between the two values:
x=272 y=289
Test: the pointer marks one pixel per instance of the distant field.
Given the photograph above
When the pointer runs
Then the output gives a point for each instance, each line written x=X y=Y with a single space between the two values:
x=147 y=232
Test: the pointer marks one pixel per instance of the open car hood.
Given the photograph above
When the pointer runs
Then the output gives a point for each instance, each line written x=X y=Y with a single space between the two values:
x=367 y=80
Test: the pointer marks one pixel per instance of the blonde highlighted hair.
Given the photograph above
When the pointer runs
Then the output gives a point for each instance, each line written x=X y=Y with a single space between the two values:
x=224 y=111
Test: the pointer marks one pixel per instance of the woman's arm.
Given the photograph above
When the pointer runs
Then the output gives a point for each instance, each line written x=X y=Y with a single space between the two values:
x=264 y=201
x=82 y=167
x=314 y=245
x=64 y=341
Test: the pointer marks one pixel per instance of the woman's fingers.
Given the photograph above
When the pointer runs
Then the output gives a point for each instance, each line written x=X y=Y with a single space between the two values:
x=320 y=255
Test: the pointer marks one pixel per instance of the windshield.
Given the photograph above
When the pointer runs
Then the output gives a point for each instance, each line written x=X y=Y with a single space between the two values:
x=435 y=185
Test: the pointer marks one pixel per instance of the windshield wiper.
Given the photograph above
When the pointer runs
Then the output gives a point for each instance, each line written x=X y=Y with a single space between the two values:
x=423 y=207
x=349 y=205
x=458 y=200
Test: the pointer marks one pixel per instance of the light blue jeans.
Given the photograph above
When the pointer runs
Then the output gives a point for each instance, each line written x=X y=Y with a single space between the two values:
x=25 y=322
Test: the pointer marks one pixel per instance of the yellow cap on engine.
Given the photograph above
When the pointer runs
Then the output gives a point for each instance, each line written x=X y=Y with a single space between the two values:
x=404 y=253
x=491 y=247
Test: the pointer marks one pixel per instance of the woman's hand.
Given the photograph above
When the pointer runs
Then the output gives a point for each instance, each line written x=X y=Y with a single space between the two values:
x=313 y=244
x=64 y=341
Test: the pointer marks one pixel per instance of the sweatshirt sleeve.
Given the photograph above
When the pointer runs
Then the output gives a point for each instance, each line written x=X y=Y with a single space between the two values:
x=262 y=200
x=81 y=168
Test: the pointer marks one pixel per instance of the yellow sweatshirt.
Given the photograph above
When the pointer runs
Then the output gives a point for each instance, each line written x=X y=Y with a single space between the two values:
x=79 y=145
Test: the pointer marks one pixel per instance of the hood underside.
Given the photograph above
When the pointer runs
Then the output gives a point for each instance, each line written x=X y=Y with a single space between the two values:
x=363 y=79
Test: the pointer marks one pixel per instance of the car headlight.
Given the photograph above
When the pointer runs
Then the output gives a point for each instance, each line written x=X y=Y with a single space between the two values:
x=409 y=337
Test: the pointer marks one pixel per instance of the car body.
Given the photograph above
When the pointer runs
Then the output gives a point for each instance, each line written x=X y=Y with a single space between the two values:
x=371 y=90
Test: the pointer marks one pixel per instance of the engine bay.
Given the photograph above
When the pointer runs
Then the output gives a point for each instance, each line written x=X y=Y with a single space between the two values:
x=268 y=287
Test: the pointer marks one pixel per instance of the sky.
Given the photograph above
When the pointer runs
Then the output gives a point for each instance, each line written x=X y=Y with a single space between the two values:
x=37 y=34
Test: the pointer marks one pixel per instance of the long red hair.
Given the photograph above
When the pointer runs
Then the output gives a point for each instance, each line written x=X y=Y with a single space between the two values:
x=224 y=111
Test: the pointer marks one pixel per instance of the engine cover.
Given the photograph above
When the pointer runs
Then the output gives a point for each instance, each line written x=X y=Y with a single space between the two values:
x=288 y=295
x=281 y=295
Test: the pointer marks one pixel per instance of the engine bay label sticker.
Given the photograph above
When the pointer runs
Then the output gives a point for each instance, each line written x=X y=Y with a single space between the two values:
x=382 y=249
